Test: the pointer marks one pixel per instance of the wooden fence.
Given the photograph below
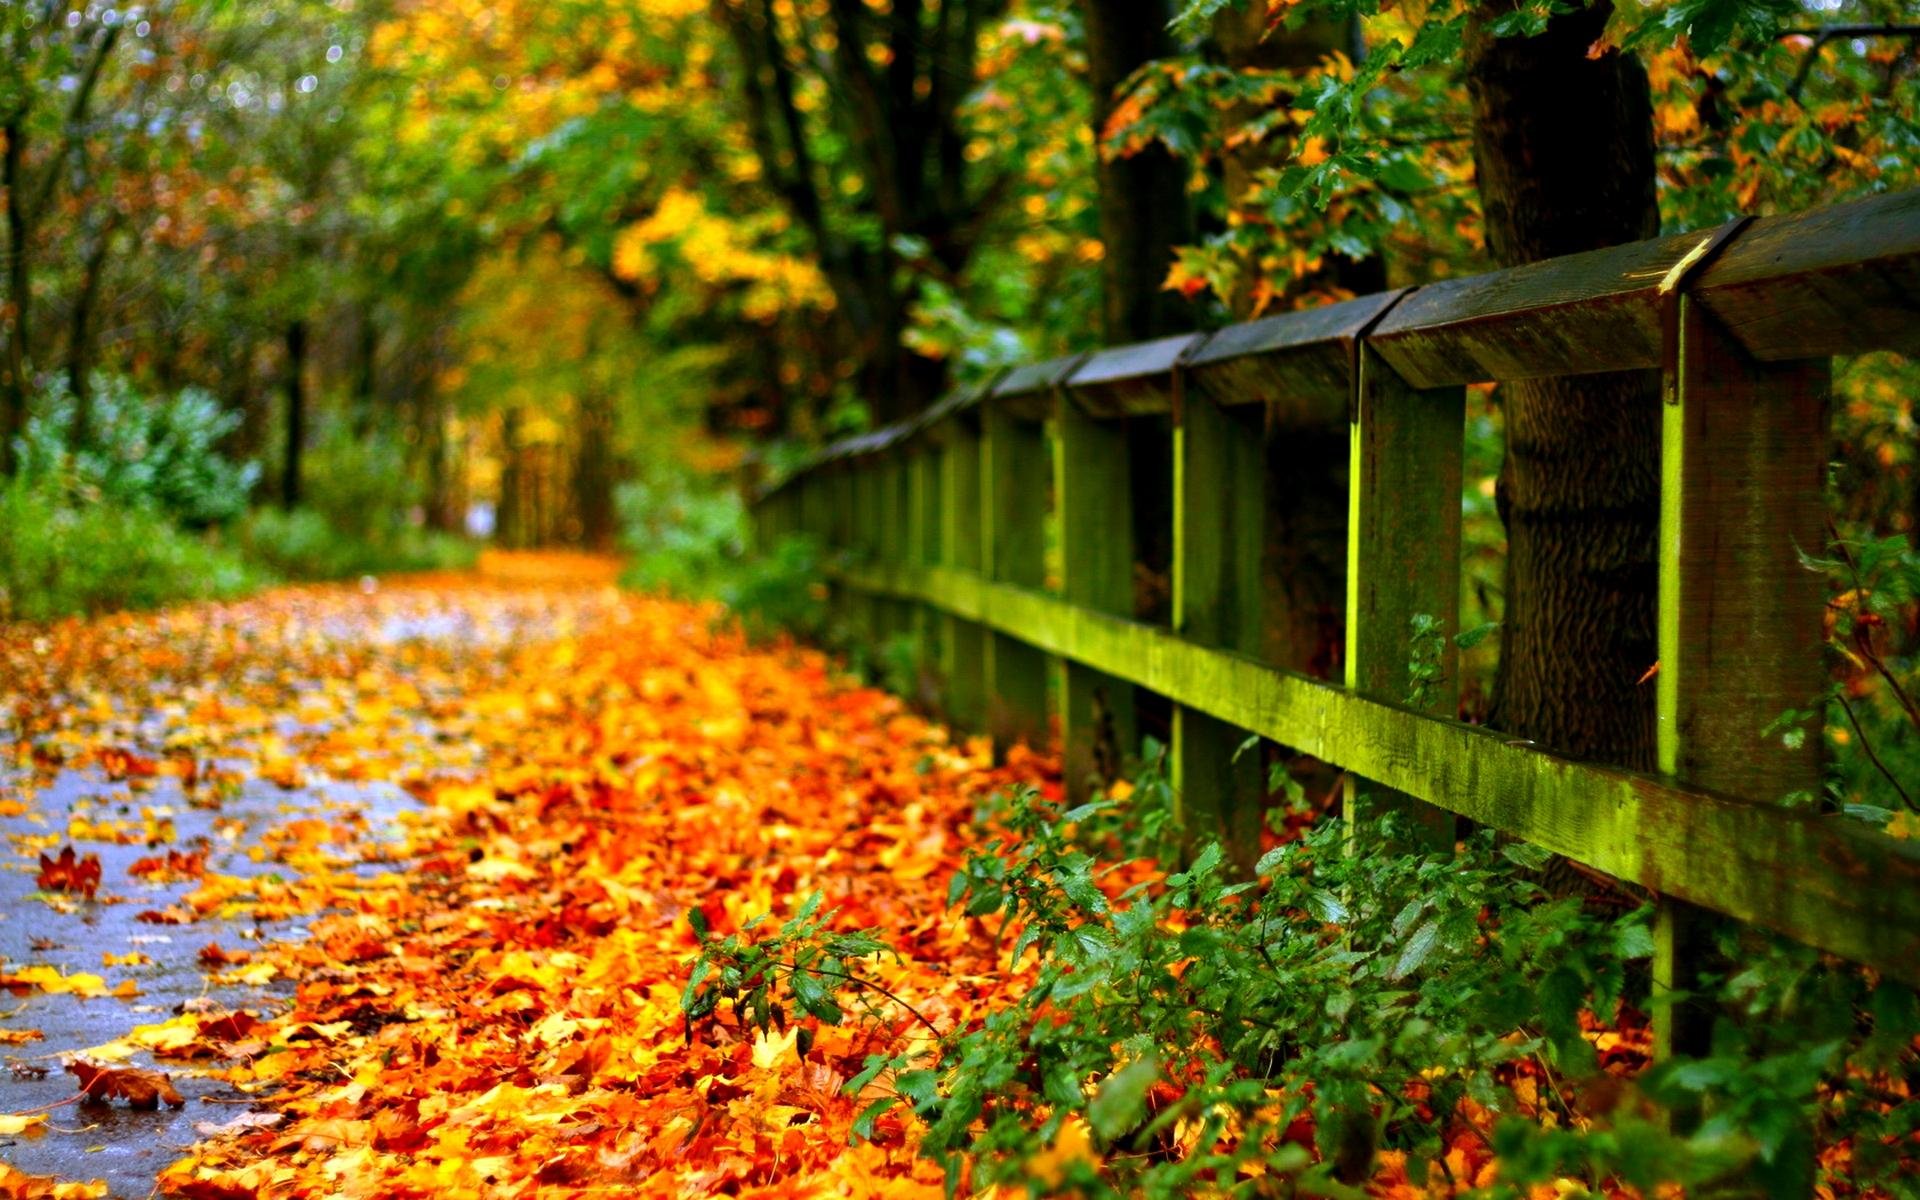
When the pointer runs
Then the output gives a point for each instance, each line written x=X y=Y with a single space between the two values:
x=938 y=526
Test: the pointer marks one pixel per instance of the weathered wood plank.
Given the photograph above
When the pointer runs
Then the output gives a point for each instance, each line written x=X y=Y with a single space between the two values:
x=842 y=601
x=924 y=533
x=1597 y=311
x=963 y=642
x=893 y=618
x=1838 y=280
x=1218 y=530
x=1014 y=469
x=1830 y=882
x=1743 y=462
x=1092 y=482
x=1028 y=390
x=1403 y=560
x=1299 y=365
x=1132 y=379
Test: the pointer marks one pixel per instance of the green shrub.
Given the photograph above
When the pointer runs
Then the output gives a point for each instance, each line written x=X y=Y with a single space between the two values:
x=161 y=452
x=689 y=542
x=305 y=544
x=360 y=484
x=59 y=558
x=1200 y=1030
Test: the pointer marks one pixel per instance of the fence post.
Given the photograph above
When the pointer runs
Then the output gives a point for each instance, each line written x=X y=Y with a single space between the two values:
x=1742 y=490
x=962 y=643
x=1403 y=559
x=1013 y=483
x=923 y=550
x=1218 y=530
x=1092 y=486
x=890 y=544
x=838 y=487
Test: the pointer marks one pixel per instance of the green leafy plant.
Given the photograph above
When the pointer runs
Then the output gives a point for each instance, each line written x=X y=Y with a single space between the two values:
x=692 y=541
x=1245 y=1034
x=62 y=558
x=306 y=544
x=161 y=452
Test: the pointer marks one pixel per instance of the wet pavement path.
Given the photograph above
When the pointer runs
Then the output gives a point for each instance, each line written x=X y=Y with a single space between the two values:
x=206 y=734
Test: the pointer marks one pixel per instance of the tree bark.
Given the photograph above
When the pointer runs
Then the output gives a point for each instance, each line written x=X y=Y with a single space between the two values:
x=593 y=471
x=366 y=372
x=1144 y=210
x=296 y=414
x=80 y=332
x=18 y=386
x=1563 y=150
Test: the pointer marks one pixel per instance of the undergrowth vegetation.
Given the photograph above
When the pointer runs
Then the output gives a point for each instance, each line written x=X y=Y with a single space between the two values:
x=689 y=538
x=1343 y=1020
x=61 y=558
x=131 y=501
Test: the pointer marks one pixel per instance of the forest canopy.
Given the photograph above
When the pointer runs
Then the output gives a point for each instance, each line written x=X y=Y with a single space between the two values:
x=495 y=225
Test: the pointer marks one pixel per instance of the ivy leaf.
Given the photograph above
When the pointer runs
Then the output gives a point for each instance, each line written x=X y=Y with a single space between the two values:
x=1634 y=940
x=1326 y=906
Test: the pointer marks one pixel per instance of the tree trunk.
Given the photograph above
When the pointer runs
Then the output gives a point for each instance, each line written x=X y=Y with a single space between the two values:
x=80 y=334
x=593 y=472
x=296 y=414
x=1563 y=150
x=18 y=384
x=366 y=368
x=509 y=523
x=1144 y=211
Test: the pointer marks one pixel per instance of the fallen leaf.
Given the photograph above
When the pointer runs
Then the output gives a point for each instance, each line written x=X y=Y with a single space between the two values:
x=140 y=1089
x=68 y=873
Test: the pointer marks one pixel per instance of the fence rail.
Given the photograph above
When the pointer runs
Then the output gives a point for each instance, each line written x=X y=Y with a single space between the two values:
x=938 y=527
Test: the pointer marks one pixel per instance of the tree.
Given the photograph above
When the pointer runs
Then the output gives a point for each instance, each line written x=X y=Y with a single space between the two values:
x=1144 y=207
x=45 y=56
x=879 y=177
x=1563 y=148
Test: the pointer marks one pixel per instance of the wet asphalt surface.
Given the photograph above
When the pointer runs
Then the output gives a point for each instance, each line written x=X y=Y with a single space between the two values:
x=124 y=820
x=123 y=1146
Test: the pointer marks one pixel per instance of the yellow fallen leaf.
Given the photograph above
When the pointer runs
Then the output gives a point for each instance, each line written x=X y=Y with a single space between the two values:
x=769 y=1050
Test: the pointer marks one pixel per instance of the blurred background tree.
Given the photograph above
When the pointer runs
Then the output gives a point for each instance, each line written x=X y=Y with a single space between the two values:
x=557 y=269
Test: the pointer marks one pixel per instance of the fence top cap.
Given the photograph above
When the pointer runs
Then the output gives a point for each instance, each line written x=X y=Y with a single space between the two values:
x=1118 y=364
x=1323 y=327
x=957 y=400
x=1037 y=377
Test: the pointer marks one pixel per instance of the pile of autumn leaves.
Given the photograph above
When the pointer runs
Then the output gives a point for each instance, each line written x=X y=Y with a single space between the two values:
x=503 y=1015
x=492 y=1007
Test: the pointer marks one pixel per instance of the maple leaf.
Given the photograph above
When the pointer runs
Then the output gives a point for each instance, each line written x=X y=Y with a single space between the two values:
x=140 y=1089
x=174 y=867
x=69 y=873
x=213 y=955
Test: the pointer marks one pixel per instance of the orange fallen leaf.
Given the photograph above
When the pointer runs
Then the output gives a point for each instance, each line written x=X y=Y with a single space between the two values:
x=68 y=873
x=140 y=1089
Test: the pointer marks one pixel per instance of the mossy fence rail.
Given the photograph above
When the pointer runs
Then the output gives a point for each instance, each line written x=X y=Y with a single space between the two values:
x=938 y=526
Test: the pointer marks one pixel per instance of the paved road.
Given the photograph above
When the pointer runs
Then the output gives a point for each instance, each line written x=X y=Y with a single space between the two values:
x=96 y=722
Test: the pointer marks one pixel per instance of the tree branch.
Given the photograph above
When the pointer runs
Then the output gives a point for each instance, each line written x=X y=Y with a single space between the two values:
x=76 y=115
x=1823 y=34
